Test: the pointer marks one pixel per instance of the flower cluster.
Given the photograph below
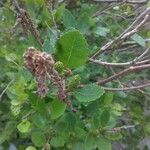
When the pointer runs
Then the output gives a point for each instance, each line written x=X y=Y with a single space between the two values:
x=41 y=65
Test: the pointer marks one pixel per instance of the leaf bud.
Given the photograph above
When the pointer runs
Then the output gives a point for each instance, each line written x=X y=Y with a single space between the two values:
x=74 y=82
x=59 y=66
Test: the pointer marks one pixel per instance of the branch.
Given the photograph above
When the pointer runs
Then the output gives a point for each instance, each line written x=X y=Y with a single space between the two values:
x=127 y=88
x=127 y=1
x=133 y=28
x=123 y=73
x=108 y=7
x=135 y=61
x=18 y=8
x=118 y=129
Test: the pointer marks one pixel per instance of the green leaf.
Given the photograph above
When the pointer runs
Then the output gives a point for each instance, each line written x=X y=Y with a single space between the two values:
x=49 y=44
x=113 y=135
x=38 y=138
x=57 y=108
x=83 y=23
x=89 y=93
x=89 y=142
x=57 y=142
x=72 y=49
x=77 y=146
x=103 y=144
x=68 y=19
x=138 y=39
x=108 y=98
x=105 y=116
x=17 y=92
x=81 y=131
x=6 y=132
x=102 y=31
x=24 y=126
x=71 y=120
x=59 y=12
x=39 y=120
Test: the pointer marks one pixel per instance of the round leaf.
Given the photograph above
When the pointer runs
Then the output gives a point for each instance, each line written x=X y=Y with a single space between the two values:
x=24 y=126
x=72 y=49
x=38 y=138
x=89 y=93
x=57 y=108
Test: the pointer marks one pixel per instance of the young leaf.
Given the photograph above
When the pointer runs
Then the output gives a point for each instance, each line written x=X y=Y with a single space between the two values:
x=57 y=108
x=68 y=19
x=24 y=126
x=59 y=12
x=72 y=49
x=89 y=93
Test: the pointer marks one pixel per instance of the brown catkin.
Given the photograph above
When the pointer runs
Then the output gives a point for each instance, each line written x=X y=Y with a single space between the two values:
x=41 y=65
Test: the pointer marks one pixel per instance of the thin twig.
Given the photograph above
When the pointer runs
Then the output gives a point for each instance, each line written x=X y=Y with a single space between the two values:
x=135 y=61
x=133 y=28
x=118 y=129
x=127 y=88
x=111 y=5
x=123 y=73
x=127 y=1
x=18 y=8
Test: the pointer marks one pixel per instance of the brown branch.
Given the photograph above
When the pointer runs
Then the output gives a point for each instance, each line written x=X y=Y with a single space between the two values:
x=127 y=1
x=133 y=28
x=136 y=61
x=16 y=4
x=123 y=73
x=108 y=7
x=127 y=88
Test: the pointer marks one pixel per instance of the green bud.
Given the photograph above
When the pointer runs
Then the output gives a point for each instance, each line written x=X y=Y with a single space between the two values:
x=59 y=66
x=74 y=82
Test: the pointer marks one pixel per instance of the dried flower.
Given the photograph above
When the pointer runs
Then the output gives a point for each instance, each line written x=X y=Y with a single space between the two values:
x=41 y=65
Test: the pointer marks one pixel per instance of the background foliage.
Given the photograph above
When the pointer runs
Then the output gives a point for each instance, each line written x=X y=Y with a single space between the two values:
x=72 y=31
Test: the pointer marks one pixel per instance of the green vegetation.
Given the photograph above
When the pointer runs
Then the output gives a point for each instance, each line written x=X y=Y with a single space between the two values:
x=74 y=75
